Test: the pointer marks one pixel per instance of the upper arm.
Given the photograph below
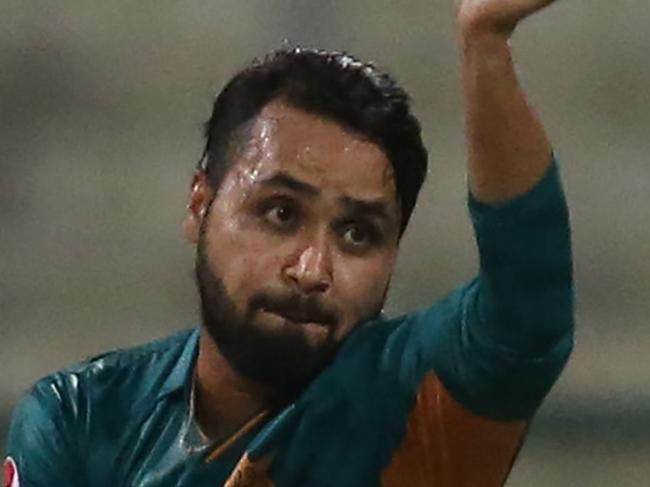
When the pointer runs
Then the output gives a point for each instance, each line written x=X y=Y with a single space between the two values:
x=524 y=298
x=500 y=342
x=481 y=374
x=42 y=440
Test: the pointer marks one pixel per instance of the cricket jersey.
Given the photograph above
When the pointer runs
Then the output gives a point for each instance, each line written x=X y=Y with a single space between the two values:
x=438 y=397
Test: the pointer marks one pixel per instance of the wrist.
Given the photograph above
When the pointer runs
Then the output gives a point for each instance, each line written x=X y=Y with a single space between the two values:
x=479 y=20
x=485 y=48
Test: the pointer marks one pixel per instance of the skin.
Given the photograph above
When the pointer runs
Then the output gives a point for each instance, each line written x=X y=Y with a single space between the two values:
x=508 y=150
x=301 y=237
x=497 y=16
x=508 y=153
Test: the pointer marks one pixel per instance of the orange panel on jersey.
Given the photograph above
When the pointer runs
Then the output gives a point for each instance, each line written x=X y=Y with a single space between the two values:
x=447 y=446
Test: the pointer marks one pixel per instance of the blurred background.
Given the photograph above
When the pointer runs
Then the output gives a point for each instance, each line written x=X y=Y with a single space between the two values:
x=101 y=106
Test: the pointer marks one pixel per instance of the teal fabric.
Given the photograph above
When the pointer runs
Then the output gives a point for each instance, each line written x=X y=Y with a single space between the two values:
x=498 y=343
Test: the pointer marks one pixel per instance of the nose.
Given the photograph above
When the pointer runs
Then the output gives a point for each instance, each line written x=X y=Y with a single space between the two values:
x=310 y=268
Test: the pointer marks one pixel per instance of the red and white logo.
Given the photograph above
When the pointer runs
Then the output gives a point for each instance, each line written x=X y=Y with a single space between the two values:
x=11 y=473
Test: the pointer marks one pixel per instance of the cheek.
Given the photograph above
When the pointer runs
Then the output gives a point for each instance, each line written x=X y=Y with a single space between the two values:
x=363 y=285
x=243 y=260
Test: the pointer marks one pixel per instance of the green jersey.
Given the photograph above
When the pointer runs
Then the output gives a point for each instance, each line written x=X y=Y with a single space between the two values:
x=454 y=384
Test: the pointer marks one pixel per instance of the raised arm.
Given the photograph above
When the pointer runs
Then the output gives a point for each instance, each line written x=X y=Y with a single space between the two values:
x=517 y=316
x=508 y=333
x=508 y=151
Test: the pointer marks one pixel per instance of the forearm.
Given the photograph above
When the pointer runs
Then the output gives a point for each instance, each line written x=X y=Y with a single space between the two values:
x=508 y=151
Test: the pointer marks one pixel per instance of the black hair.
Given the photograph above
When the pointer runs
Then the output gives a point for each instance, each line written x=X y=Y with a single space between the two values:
x=335 y=85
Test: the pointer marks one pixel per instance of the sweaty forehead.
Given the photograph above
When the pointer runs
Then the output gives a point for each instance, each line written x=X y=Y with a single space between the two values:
x=315 y=150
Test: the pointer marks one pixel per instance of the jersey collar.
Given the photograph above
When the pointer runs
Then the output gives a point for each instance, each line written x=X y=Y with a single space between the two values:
x=180 y=377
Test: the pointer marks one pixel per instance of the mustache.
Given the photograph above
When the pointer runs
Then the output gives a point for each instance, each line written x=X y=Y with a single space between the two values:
x=296 y=307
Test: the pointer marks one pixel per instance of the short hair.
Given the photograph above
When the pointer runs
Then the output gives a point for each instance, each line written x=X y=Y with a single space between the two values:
x=335 y=85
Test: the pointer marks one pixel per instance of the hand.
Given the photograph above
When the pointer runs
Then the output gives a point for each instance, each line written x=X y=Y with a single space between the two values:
x=495 y=16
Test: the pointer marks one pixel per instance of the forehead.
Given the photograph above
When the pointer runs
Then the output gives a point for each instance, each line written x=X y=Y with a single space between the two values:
x=315 y=150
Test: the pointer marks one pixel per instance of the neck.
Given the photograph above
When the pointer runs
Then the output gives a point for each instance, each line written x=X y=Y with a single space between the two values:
x=224 y=399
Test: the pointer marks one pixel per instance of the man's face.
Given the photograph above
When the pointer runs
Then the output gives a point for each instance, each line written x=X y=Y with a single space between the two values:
x=297 y=246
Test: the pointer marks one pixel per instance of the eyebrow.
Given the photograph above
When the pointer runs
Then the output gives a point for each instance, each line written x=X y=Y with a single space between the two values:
x=283 y=180
x=373 y=208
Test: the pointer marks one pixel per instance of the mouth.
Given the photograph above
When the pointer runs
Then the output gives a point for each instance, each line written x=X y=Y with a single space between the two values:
x=297 y=317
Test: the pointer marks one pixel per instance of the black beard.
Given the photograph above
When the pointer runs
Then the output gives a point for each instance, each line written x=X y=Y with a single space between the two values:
x=284 y=363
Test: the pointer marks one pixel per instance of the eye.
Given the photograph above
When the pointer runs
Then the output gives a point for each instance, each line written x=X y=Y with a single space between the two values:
x=281 y=215
x=358 y=235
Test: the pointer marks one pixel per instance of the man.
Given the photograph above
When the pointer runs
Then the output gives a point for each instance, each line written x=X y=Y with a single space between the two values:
x=310 y=173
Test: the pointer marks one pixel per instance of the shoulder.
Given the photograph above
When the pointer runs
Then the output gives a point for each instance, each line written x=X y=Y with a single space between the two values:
x=83 y=408
x=397 y=351
x=119 y=381
x=156 y=350
x=116 y=369
x=410 y=345
x=153 y=358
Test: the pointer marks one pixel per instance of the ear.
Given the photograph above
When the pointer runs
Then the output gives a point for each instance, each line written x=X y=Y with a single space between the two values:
x=197 y=206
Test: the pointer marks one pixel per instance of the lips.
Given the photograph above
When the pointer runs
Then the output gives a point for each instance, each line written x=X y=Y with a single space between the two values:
x=299 y=316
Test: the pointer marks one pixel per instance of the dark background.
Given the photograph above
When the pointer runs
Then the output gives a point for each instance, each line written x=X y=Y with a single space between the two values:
x=101 y=106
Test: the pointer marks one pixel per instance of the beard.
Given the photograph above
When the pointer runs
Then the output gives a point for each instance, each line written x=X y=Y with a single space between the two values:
x=282 y=360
